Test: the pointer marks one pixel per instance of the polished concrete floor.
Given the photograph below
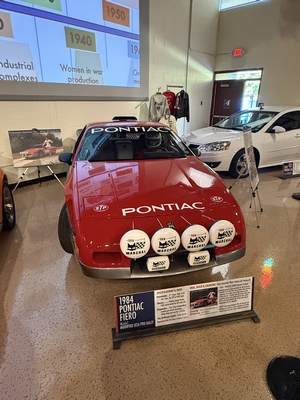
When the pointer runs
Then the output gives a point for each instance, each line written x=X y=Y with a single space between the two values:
x=55 y=323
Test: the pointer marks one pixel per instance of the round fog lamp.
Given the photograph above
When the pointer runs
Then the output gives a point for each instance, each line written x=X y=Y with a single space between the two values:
x=165 y=241
x=135 y=243
x=221 y=233
x=194 y=237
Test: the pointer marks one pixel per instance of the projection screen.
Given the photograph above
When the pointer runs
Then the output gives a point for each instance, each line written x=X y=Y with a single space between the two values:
x=74 y=50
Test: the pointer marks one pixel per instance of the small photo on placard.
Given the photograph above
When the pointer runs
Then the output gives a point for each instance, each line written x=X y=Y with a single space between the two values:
x=203 y=297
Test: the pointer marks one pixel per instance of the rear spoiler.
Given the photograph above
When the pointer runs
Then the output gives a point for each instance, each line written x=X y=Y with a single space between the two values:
x=124 y=118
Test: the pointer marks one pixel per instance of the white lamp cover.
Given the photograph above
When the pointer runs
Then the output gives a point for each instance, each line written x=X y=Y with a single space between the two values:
x=195 y=237
x=221 y=233
x=159 y=263
x=135 y=243
x=198 y=258
x=165 y=241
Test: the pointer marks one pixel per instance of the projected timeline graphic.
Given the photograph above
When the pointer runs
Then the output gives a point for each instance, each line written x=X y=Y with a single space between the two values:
x=72 y=42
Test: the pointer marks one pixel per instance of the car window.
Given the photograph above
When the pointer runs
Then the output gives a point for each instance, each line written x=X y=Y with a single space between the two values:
x=288 y=121
x=130 y=143
x=255 y=119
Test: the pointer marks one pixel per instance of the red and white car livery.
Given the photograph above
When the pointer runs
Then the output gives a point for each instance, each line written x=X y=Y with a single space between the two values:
x=139 y=203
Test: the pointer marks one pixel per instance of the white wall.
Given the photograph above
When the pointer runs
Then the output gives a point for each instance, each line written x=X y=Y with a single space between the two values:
x=183 y=36
x=269 y=31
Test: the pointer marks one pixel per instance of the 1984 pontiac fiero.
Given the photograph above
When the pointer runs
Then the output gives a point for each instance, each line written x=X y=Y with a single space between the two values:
x=139 y=203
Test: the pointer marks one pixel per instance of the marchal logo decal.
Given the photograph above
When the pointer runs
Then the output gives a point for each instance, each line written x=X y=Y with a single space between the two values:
x=101 y=208
x=217 y=199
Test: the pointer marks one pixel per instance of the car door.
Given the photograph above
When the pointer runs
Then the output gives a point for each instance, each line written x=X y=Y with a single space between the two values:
x=282 y=145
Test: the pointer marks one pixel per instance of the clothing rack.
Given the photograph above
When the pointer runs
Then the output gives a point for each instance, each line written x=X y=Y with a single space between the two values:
x=174 y=86
x=143 y=101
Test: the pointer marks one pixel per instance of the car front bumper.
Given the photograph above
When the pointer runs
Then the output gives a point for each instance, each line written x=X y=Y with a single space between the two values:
x=178 y=265
x=218 y=160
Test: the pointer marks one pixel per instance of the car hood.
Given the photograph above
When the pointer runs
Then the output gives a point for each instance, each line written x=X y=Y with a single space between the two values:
x=212 y=134
x=151 y=188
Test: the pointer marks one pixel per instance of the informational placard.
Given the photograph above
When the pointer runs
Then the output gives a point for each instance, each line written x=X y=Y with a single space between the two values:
x=291 y=169
x=250 y=156
x=183 y=304
x=35 y=147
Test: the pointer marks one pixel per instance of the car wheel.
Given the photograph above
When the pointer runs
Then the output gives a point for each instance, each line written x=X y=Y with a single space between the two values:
x=64 y=231
x=8 y=208
x=40 y=154
x=238 y=167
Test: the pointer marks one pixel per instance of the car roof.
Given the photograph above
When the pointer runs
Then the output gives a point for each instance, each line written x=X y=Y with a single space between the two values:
x=275 y=108
x=123 y=123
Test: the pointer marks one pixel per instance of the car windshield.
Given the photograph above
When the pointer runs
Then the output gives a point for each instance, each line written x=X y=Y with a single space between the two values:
x=130 y=143
x=255 y=119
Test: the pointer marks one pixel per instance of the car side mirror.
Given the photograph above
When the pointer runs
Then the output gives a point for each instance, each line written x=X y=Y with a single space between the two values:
x=66 y=158
x=197 y=152
x=277 y=129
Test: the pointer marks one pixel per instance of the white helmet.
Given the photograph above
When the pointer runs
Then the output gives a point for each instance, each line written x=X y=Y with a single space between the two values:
x=153 y=139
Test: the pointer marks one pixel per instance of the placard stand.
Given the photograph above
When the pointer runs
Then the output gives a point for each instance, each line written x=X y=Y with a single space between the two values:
x=39 y=175
x=250 y=165
x=118 y=338
x=254 y=195
x=144 y=314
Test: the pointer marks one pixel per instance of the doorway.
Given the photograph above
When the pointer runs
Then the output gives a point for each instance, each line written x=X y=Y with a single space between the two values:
x=234 y=91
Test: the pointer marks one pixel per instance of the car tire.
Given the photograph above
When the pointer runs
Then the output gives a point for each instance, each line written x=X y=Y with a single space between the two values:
x=8 y=208
x=40 y=154
x=64 y=231
x=237 y=165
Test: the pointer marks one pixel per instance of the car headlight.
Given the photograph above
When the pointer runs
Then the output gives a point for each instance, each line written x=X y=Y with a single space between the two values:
x=215 y=146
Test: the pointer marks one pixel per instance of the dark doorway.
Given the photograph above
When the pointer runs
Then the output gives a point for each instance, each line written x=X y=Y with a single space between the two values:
x=227 y=99
x=234 y=91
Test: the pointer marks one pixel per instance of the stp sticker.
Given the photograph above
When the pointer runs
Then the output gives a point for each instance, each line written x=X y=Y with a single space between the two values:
x=217 y=199
x=101 y=208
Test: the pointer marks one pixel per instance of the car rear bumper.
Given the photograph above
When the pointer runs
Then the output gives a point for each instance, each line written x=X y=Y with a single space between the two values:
x=178 y=265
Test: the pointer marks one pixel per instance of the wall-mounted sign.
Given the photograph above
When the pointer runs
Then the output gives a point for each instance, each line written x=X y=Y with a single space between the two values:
x=238 y=52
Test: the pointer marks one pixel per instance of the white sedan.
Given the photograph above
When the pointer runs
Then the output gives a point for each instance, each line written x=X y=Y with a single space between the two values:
x=275 y=137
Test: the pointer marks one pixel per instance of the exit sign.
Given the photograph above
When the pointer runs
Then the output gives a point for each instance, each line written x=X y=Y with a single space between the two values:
x=238 y=52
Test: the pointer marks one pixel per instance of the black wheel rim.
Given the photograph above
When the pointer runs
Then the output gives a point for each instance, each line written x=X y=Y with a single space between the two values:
x=8 y=205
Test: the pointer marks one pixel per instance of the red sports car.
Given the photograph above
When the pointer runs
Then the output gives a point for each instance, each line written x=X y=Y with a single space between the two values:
x=7 y=205
x=38 y=151
x=204 y=301
x=139 y=203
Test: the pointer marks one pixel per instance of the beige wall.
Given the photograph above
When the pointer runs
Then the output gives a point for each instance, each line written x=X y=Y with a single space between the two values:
x=183 y=36
x=269 y=31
